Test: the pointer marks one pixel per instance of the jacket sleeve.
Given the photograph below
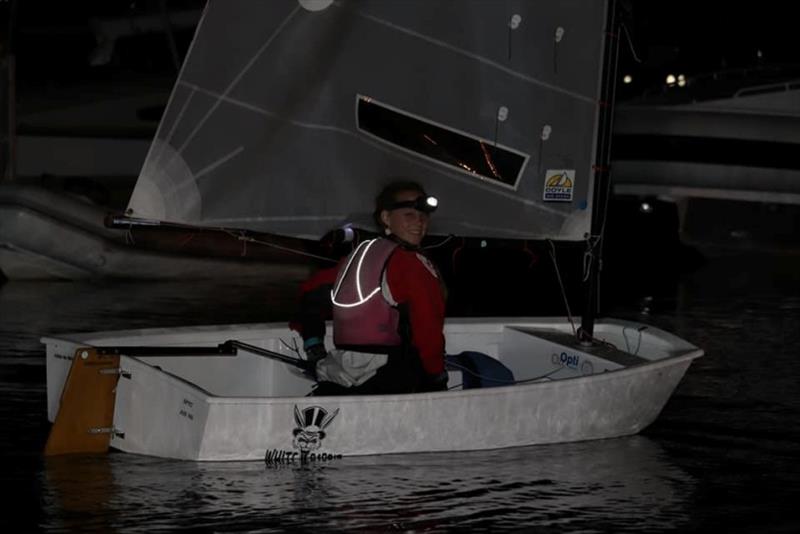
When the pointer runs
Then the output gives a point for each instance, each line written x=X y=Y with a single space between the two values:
x=314 y=304
x=414 y=281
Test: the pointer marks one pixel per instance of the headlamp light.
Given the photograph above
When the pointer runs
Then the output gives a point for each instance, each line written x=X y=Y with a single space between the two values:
x=425 y=204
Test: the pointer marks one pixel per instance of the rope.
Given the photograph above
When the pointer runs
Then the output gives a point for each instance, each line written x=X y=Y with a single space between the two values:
x=290 y=348
x=630 y=43
x=473 y=373
x=638 y=343
x=440 y=243
x=247 y=239
x=561 y=285
x=588 y=256
x=510 y=382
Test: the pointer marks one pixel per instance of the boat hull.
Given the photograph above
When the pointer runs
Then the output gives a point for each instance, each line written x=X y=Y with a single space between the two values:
x=165 y=413
x=198 y=427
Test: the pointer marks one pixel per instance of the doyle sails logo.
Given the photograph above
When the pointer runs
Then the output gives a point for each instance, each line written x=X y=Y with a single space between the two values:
x=308 y=435
x=559 y=185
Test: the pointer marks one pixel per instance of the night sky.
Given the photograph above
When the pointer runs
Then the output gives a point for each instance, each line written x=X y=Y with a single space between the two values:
x=53 y=39
x=698 y=37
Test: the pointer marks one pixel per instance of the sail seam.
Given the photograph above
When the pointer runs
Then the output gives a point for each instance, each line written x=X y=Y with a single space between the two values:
x=156 y=160
x=263 y=111
x=239 y=76
x=383 y=145
x=220 y=161
x=479 y=58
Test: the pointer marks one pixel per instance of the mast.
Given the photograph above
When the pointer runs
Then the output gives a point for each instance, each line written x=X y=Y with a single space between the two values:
x=602 y=174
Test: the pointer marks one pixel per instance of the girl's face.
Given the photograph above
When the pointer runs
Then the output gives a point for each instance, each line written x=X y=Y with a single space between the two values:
x=408 y=224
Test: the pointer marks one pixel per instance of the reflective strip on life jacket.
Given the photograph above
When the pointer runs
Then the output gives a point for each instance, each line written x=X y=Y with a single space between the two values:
x=360 y=319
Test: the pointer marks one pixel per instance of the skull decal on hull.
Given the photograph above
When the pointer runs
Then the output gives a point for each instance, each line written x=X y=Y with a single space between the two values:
x=311 y=424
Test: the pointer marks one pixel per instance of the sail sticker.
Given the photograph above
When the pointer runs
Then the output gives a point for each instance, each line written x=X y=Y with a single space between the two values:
x=307 y=437
x=559 y=185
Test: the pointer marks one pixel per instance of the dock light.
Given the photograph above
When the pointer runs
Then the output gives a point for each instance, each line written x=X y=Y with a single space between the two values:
x=671 y=79
x=681 y=80
x=627 y=78
x=646 y=207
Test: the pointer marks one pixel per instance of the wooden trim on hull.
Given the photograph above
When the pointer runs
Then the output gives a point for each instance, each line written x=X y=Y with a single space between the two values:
x=85 y=418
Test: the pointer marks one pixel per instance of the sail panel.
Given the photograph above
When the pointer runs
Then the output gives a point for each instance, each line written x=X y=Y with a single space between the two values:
x=262 y=130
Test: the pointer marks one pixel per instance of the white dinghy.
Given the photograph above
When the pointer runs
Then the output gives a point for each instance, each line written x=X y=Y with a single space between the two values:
x=286 y=118
x=251 y=407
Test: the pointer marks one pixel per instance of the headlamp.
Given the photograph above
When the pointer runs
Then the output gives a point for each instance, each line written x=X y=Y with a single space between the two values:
x=425 y=204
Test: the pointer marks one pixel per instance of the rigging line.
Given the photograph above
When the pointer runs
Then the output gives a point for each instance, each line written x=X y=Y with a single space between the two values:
x=638 y=343
x=473 y=373
x=591 y=243
x=292 y=349
x=239 y=76
x=481 y=59
x=561 y=285
x=510 y=382
x=604 y=149
x=279 y=247
x=630 y=43
x=607 y=170
x=440 y=243
x=540 y=377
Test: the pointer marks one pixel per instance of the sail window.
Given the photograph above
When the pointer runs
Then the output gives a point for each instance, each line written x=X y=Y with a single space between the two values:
x=478 y=157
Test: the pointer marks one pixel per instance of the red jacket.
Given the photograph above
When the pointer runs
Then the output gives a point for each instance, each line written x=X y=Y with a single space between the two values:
x=415 y=282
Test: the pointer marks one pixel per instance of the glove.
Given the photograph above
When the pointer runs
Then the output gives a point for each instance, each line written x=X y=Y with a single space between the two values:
x=436 y=382
x=315 y=353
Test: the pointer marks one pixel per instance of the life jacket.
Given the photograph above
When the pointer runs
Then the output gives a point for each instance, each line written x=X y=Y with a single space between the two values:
x=365 y=318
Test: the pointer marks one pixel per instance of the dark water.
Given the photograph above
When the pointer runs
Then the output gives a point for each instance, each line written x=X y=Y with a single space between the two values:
x=723 y=455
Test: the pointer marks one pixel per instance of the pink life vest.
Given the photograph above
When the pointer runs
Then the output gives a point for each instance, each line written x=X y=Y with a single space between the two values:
x=363 y=318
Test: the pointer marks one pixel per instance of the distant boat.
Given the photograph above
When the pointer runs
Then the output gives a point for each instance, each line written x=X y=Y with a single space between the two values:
x=730 y=135
x=289 y=125
x=46 y=234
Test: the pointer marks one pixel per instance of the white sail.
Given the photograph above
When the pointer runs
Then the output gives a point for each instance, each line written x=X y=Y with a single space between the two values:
x=289 y=116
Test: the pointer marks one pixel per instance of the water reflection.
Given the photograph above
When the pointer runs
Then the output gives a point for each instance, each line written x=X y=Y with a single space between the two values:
x=617 y=485
x=721 y=455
